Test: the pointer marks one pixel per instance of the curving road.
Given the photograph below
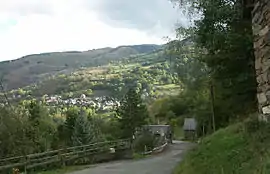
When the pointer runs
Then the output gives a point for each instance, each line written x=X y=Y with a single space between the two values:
x=163 y=163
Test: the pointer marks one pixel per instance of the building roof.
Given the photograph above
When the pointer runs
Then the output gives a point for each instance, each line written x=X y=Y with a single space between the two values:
x=190 y=124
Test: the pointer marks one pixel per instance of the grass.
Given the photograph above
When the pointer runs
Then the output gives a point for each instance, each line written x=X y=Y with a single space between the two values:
x=65 y=170
x=137 y=156
x=242 y=148
x=178 y=133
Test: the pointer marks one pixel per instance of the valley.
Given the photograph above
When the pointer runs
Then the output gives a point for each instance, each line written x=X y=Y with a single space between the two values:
x=102 y=79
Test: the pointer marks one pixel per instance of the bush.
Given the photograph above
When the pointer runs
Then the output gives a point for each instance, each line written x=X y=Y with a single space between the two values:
x=144 y=142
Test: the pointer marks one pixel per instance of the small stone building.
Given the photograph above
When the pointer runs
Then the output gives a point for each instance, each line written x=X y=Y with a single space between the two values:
x=190 y=126
x=163 y=130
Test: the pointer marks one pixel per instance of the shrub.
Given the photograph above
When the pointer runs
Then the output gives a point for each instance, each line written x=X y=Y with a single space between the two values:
x=144 y=142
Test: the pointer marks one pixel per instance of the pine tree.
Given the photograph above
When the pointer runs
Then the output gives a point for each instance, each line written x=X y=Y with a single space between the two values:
x=82 y=133
x=71 y=116
x=132 y=113
x=96 y=131
x=39 y=129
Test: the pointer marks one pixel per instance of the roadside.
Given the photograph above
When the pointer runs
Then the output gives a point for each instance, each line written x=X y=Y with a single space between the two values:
x=162 y=163
x=66 y=169
x=242 y=148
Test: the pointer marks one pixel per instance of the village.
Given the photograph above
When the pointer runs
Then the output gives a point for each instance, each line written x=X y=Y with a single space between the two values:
x=102 y=103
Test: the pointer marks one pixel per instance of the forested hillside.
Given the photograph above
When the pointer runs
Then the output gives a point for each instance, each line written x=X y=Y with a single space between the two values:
x=146 y=71
x=89 y=103
x=101 y=82
x=33 y=68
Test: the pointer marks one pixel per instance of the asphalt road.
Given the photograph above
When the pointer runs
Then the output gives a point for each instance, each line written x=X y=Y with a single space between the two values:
x=163 y=163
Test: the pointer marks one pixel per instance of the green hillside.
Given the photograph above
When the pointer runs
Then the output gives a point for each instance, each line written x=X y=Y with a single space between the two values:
x=242 y=148
x=33 y=68
x=113 y=74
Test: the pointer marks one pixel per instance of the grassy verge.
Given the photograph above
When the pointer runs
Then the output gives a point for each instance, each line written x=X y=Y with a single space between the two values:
x=65 y=170
x=178 y=133
x=137 y=156
x=242 y=148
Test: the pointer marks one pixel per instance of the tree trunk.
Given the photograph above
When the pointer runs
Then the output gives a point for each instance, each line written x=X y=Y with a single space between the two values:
x=212 y=106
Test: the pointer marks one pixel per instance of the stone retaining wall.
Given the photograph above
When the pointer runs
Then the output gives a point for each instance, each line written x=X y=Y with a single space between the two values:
x=261 y=30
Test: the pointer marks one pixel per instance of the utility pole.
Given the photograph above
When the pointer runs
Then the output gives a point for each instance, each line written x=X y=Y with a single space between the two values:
x=212 y=98
x=210 y=78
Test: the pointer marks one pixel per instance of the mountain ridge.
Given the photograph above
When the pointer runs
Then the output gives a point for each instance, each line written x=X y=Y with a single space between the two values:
x=86 y=51
x=31 y=68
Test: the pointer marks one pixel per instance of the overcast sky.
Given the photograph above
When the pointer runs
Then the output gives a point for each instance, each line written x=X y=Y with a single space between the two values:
x=35 y=26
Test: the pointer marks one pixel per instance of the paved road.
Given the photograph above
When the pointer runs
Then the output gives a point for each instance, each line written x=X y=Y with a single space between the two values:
x=163 y=163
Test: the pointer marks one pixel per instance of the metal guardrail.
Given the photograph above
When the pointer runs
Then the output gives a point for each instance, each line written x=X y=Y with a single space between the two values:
x=158 y=148
x=61 y=156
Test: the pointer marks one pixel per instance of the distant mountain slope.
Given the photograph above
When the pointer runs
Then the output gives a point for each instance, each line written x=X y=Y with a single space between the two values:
x=101 y=72
x=150 y=72
x=32 y=68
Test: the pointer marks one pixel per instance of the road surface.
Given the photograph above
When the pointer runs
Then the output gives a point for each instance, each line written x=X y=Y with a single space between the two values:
x=163 y=163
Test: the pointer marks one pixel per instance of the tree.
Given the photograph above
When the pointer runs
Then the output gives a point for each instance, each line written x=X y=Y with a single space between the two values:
x=132 y=113
x=21 y=91
x=41 y=128
x=159 y=108
x=12 y=134
x=224 y=37
x=82 y=133
x=27 y=128
x=88 y=92
x=69 y=125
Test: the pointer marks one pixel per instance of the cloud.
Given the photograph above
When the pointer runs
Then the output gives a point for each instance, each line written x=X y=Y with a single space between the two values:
x=156 y=16
x=35 y=26
x=25 y=7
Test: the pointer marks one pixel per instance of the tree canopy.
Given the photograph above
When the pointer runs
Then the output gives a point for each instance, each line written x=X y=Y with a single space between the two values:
x=223 y=60
x=132 y=113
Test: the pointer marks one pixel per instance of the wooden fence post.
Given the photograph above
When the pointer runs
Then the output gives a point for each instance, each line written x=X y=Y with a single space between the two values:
x=130 y=144
x=25 y=164
x=61 y=152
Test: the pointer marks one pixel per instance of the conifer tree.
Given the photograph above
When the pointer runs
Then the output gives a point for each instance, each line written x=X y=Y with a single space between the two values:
x=82 y=133
x=132 y=113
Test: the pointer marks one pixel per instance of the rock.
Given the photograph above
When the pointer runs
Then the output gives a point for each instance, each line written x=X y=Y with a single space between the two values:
x=264 y=31
x=258 y=43
x=268 y=95
x=256 y=6
x=256 y=29
x=261 y=98
x=268 y=38
x=266 y=109
x=265 y=66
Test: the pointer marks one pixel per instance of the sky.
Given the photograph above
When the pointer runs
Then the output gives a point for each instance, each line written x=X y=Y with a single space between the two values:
x=37 y=26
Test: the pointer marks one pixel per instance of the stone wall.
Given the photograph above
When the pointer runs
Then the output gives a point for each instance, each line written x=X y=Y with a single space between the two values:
x=261 y=29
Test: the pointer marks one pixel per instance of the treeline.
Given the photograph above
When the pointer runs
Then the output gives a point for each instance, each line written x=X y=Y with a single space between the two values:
x=31 y=127
x=109 y=80
x=217 y=70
